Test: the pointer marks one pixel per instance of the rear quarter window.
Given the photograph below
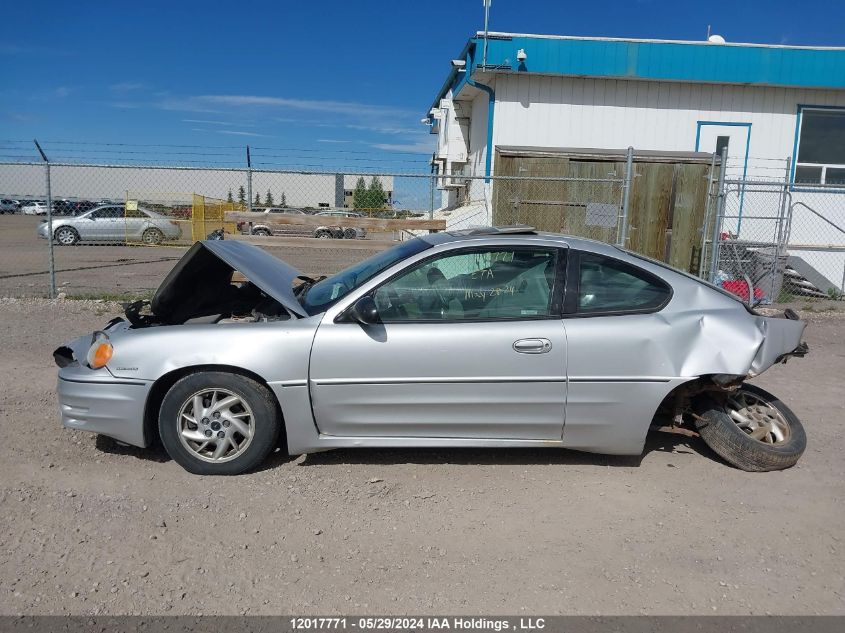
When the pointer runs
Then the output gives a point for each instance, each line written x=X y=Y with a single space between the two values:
x=611 y=286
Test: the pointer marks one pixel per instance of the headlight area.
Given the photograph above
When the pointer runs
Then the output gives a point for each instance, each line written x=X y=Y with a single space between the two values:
x=100 y=351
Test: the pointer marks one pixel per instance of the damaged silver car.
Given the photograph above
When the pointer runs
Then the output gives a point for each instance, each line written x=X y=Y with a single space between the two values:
x=488 y=337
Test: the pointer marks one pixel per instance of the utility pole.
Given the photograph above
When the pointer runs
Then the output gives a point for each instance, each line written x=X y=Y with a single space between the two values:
x=487 y=4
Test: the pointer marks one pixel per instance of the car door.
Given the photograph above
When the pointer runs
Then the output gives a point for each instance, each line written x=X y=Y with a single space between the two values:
x=88 y=225
x=106 y=223
x=618 y=366
x=135 y=222
x=470 y=345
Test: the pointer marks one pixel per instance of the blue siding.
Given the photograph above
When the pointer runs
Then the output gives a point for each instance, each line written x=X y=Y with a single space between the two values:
x=753 y=65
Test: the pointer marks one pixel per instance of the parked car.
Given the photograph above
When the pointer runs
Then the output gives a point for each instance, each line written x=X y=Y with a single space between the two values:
x=72 y=207
x=34 y=207
x=8 y=206
x=323 y=231
x=338 y=232
x=112 y=223
x=81 y=206
x=491 y=337
x=260 y=228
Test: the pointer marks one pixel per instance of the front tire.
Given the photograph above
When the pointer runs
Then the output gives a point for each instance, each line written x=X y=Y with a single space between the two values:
x=751 y=429
x=66 y=236
x=218 y=423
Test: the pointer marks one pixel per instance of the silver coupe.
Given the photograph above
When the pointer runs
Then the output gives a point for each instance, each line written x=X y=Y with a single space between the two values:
x=488 y=337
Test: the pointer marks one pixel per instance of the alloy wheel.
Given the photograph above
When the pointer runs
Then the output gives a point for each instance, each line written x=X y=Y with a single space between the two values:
x=757 y=418
x=215 y=425
x=66 y=237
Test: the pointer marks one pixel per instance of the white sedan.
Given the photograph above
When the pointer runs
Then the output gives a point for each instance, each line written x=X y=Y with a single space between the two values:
x=34 y=207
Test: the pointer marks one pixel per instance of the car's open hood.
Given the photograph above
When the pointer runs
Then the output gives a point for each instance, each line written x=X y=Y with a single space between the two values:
x=205 y=272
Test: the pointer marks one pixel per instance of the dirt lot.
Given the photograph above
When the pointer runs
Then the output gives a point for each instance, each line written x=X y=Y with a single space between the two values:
x=88 y=270
x=87 y=527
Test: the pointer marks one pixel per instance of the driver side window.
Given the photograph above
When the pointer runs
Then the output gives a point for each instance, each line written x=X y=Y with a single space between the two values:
x=500 y=283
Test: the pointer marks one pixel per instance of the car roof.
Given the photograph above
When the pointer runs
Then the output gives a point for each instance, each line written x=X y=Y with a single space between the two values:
x=523 y=232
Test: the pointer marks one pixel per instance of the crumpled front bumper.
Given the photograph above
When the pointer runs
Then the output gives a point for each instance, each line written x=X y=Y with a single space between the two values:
x=95 y=401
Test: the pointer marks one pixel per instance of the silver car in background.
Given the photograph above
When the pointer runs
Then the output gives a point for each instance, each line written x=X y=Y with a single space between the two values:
x=490 y=338
x=112 y=223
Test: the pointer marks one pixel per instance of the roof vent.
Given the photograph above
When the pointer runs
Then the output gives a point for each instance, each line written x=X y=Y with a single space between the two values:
x=716 y=39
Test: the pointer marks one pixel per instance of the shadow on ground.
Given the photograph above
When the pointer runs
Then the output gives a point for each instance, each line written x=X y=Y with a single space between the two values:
x=655 y=443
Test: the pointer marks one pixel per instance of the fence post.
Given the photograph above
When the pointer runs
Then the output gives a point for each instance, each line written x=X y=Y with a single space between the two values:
x=717 y=223
x=52 y=263
x=707 y=209
x=626 y=197
x=248 y=181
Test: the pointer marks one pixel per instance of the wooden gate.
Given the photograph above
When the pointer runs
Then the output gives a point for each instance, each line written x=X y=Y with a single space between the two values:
x=666 y=211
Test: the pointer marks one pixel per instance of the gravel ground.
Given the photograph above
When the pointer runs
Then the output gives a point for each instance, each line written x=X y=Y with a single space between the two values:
x=90 y=528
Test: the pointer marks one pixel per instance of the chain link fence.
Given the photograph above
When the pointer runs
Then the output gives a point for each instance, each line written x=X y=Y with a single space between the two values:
x=116 y=230
x=774 y=242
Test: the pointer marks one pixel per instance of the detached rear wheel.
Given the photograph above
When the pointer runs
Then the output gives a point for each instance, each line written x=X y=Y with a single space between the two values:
x=217 y=423
x=752 y=430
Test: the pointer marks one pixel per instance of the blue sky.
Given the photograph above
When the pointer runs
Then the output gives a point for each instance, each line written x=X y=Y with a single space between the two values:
x=319 y=83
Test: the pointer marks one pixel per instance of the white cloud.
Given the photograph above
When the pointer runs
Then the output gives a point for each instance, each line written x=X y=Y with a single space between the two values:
x=418 y=147
x=127 y=86
x=349 y=108
x=239 y=133
x=226 y=123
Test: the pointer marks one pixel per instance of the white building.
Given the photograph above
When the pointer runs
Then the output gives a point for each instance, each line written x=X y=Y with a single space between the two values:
x=780 y=110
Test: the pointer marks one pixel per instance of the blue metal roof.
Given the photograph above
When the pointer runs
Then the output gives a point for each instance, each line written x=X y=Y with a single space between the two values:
x=658 y=60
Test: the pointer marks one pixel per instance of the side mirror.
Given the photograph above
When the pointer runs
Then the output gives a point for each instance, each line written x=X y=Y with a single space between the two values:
x=364 y=311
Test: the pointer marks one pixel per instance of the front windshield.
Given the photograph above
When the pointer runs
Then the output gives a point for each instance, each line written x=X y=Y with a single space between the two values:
x=321 y=295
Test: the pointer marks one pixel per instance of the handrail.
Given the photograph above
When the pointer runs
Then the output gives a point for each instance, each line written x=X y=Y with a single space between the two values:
x=816 y=213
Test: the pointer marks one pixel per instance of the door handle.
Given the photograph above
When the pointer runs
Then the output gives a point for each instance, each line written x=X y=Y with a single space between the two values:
x=532 y=345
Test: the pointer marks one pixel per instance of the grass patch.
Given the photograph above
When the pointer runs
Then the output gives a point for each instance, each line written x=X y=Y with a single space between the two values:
x=116 y=297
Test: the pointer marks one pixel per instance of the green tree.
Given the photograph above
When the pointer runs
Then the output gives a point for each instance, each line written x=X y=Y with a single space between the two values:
x=258 y=198
x=241 y=196
x=229 y=197
x=359 y=195
x=268 y=199
x=284 y=201
x=375 y=193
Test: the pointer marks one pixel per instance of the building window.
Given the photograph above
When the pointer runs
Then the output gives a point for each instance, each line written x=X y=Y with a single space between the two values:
x=324 y=205
x=821 y=147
